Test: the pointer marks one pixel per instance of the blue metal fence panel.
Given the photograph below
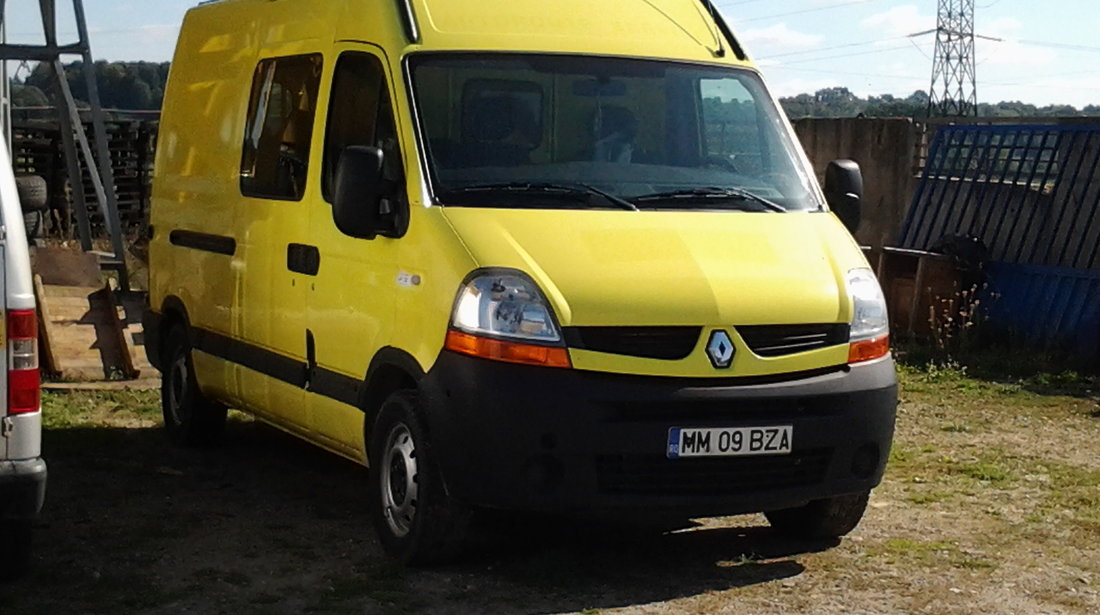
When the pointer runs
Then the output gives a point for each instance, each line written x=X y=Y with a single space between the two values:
x=1050 y=305
x=1031 y=194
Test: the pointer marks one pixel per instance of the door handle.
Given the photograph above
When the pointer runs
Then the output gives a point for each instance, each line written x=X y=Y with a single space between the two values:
x=304 y=259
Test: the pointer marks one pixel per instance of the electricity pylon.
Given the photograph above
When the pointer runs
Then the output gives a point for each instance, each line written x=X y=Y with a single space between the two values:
x=954 y=91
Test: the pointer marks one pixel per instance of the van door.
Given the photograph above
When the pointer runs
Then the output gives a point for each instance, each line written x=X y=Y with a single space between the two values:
x=352 y=296
x=276 y=263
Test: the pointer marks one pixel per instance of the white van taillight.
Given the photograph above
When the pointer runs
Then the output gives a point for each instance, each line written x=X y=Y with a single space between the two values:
x=24 y=385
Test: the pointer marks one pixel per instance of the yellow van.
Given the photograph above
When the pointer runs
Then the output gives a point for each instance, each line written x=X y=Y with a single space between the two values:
x=514 y=255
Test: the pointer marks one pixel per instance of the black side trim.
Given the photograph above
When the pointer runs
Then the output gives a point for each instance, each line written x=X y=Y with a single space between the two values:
x=721 y=22
x=301 y=258
x=321 y=381
x=253 y=357
x=335 y=386
x=218 y=244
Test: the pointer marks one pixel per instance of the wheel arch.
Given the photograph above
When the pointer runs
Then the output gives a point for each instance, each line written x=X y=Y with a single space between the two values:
x=391 y=369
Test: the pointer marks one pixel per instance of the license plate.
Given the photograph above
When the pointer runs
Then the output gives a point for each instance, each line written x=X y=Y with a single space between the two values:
x=727 y=441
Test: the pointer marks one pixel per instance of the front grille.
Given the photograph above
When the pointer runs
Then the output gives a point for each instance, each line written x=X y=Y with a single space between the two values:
x=670 y=343
x=657 y=475
x=781 y=340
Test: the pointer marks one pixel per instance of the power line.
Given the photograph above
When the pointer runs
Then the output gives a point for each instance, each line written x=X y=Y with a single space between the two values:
x=852 y=73
x=1060 y=45
x=820 y=49
x=843 y=55
x=804 y=11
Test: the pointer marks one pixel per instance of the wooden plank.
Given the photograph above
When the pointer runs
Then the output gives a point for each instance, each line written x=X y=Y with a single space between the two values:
x=132 y=305
x=46 y=334
x=85 y=338
x=126 y=362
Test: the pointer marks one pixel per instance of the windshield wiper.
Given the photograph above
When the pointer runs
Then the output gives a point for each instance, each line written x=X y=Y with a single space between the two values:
x=575 y=190
x=711 y=192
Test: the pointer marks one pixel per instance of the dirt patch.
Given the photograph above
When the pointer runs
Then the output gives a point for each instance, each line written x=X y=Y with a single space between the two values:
x=991 y=505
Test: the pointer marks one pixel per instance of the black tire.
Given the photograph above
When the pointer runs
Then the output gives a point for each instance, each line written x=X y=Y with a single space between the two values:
x=189 y=418
x=33 y=192
x=15 y=549
x=32 y=224
x=416 y=520
x=828 y=518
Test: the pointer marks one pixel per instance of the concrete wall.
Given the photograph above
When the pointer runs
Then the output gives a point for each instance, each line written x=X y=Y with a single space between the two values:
x=887 y=151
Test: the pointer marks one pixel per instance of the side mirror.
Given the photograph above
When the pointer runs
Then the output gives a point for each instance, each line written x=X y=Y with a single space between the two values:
x=844 y=192
x=362 y=206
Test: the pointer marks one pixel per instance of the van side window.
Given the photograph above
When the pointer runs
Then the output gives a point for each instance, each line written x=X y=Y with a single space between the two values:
x=360 y=113
x=277 y=136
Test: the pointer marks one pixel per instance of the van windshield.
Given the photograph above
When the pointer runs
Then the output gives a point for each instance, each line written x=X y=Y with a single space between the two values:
x=558 y=131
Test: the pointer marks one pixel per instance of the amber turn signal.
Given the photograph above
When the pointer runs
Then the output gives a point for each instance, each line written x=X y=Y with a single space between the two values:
x=867 y=350
x=502 y=350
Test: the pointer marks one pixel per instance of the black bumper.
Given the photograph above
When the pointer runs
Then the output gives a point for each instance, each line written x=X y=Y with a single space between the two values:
x=520 y=437
x=22 y=489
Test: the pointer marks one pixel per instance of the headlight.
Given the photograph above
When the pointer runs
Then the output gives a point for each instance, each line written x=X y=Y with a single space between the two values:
x=505 y=305
x=869 y=306
x=870 y=330
x=502 y=316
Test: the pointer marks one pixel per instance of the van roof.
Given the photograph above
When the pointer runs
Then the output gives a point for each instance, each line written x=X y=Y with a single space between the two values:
x=680 y=29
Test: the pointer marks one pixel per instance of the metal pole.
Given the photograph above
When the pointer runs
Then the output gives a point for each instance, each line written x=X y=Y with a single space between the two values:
x=72 y=162
x=109 y=205
x=5 y=87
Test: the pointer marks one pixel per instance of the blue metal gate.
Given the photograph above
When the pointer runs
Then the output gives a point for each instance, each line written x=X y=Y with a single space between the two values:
x=1031 y=194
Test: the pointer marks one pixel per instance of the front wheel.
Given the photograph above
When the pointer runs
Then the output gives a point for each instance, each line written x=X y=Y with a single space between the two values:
x=828 y=518
x=189 y=418
x=416 y=520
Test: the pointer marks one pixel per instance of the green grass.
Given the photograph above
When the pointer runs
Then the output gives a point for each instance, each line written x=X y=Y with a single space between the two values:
x=929 y=554
x=68 y=409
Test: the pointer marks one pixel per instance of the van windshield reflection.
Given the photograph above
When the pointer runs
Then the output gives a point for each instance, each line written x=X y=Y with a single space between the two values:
x=503 y=130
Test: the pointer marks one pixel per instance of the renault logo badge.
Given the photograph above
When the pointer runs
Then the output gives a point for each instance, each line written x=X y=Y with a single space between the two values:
x=720 y=349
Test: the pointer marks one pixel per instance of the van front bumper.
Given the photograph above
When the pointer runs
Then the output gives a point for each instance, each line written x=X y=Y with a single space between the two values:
x=22 y=489
x=521 y=437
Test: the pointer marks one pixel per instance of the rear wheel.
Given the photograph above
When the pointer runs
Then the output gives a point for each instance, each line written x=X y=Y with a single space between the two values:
x=189 y=418
x=828 y=518
x=416 y=520
x=15 y=548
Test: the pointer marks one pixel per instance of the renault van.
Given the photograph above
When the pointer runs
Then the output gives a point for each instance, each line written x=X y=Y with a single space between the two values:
x=22 y=469
x=514 y=255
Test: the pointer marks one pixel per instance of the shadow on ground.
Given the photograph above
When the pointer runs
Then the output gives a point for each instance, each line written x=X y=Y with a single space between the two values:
x=267 y=524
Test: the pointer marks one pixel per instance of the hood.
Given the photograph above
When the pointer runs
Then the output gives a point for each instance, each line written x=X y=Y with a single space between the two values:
x=663 y=268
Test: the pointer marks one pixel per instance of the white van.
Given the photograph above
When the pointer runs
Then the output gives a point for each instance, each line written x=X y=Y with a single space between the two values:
x=22 y=469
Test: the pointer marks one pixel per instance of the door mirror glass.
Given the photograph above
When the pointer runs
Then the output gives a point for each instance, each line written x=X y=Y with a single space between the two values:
x=844 y=192
x=359 y=208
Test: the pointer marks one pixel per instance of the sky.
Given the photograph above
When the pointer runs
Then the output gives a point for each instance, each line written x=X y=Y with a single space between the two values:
x=1048 y=52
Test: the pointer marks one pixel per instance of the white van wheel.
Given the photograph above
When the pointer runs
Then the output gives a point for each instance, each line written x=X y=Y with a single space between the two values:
x=189 y=418
x=416 y=520
x=827 y=518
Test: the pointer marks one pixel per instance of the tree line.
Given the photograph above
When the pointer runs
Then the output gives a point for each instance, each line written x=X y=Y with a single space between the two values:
x=140 y=86
x=841 y=102
x=133 y=86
